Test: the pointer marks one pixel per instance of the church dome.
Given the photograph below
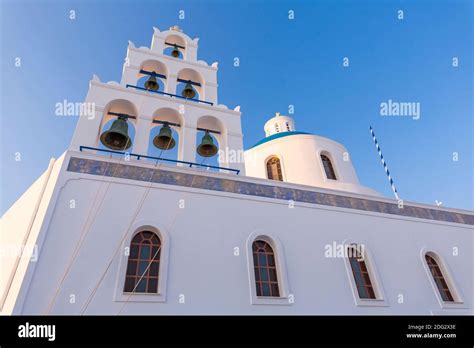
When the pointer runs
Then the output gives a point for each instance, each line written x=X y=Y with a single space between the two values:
x=302 y=158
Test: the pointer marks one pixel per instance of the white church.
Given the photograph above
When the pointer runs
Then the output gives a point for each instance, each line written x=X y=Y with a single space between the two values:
x=110 y=228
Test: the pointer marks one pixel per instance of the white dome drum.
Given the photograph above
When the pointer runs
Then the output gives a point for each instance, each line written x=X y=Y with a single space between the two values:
x=302 y=158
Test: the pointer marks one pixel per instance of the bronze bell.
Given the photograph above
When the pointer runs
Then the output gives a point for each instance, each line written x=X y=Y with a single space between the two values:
x=116 y=138
x=175 y=51
x=152 y=83
x=207 y=148
x=164 y=140
x=188 y=91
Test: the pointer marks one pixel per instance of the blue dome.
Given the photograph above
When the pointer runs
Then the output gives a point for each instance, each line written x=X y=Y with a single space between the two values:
x=276 y=136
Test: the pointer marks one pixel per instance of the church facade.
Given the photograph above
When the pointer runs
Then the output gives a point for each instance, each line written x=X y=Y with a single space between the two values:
x=110 y=229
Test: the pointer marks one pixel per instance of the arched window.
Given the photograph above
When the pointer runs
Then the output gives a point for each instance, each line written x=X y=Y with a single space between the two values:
x=439 y=279
x=361 y=274
x=143 y=263
x=328 y=168
x=264 y=265
x=274 y=169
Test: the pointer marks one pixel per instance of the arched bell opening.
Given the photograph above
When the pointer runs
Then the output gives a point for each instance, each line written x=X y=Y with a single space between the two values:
x=153 y=75
x=164 y=143
x=190 y=84
x=206 y=145
x=209 y=141
x=175 y=46
x=117 y=129
x=165 y=135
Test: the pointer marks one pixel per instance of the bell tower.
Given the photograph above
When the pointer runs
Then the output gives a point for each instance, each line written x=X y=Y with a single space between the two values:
x=162 y=86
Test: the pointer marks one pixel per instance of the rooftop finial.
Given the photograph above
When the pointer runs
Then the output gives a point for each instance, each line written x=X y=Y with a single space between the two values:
x=176 y=28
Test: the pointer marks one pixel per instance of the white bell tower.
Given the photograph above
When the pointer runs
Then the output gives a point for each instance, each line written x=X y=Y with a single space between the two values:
x=172 y=60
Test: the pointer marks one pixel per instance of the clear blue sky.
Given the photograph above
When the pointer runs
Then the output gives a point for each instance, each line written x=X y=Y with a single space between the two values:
x=282 y=62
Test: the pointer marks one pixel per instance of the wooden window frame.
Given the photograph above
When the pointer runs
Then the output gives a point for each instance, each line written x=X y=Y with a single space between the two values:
x=439 y=279
x=380 y=299
x=285 y=297
x=458 y=302
x=361 y=275
x=141 y=272
x=270 y=170
x=160 y=296
x=269 y=269
x=328 y=166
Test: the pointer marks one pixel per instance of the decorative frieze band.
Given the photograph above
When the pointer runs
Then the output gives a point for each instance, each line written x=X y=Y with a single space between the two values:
x=163 y=176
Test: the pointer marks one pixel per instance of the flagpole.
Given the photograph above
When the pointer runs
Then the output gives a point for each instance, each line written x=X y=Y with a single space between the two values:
x=392 y=184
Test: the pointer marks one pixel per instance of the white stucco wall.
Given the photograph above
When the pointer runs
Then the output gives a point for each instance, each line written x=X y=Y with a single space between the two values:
x=19 y=233
x=202 y=238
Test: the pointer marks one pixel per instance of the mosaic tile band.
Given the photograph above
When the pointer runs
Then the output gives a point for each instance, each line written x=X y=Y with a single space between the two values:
x=127 y=171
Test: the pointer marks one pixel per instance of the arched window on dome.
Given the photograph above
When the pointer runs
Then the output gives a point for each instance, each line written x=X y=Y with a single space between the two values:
x=328 y=168
x=439 y=278
x=274 y=169
x=143 y=264
x=361 y=274
x=266 y=279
